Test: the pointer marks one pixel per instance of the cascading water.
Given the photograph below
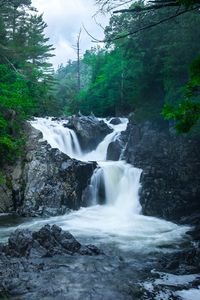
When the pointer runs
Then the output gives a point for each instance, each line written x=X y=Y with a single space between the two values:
x=99 y=154
x=119 y=220
x=58 y=136
x=121 y=186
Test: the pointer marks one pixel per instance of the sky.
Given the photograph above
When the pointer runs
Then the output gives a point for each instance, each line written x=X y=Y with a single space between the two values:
x=64 y=19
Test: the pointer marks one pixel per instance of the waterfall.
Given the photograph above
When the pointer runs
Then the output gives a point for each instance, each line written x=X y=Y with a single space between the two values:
x=115 y=184
x=99 y=154
x=58 y=136
x=120 y=180
x=122 y=183
x=95 y=191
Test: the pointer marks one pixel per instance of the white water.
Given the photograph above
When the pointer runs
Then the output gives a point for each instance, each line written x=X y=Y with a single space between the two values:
x=58 y=136
x=99 y=154
x=119 y=221
x=167 y=280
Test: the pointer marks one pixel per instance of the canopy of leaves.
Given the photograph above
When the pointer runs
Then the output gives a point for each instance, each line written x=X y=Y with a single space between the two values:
x=144 y=71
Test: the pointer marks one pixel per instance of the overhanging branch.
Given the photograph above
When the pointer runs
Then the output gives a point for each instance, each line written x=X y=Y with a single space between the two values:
x=146 y=8
x=178 y=13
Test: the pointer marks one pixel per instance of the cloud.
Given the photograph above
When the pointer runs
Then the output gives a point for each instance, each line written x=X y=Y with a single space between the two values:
x=64 y=19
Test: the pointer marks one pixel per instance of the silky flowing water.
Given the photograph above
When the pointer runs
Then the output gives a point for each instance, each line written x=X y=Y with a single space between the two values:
x=119 y=220
x=117 y=226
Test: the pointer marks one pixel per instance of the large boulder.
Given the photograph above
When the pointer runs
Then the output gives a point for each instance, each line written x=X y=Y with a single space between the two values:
x=47 y=242
x=115 y=121
x=53 y=182
x=90 y=131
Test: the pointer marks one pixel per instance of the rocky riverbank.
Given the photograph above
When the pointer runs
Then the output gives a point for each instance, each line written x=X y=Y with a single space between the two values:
x=30 y=260
x=45 y=181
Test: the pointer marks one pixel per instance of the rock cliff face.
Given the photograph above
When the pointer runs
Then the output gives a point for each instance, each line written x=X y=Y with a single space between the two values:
x=171 y=172
x=53 y=181
x=10 y=188
x=47 y=182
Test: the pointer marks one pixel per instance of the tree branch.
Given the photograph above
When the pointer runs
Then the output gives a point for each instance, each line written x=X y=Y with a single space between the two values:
x=138 y=8
x=150 y=26
x=93 y=38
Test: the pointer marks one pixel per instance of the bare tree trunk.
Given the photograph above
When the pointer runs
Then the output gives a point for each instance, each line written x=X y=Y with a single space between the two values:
x=78 y=62
x=14 y=22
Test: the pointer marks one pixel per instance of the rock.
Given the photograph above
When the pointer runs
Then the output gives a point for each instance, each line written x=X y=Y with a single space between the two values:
x=90 y=130
x=115 y=121
x=11 y=187
x=47 y=242
x=195 y=233
x=182 y=262
x=114 y=150
x=171 y=172
x=53 y=183
x=6 y=199
x=90 y=250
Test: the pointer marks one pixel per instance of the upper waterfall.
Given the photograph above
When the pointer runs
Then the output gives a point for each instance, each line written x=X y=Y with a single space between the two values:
x=58 y=136
x=66 y=140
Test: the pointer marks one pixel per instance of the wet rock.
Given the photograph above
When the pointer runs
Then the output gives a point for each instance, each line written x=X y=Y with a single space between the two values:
x=90 y=130
x=6 y=199
x=55 y=119
x=195 y=233
x=182 y=262
x=34 y=264
x=115 y=121
x=114 y=150
x=53 y=183
x=10 y=187
x=47 y=242
x=171 y=172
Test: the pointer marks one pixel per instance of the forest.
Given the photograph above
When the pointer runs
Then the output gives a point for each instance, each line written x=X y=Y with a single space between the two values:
x=153 y=73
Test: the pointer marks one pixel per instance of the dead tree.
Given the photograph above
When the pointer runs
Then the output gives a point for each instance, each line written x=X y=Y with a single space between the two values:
x=78 y=61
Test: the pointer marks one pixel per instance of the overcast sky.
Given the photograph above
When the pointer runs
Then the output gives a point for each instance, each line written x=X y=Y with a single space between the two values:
x=64 y=19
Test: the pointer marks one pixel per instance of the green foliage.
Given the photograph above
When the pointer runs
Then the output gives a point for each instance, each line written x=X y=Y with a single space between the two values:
x=2 y=179
x=187 y=113
x=141 y=72
x=25 y=74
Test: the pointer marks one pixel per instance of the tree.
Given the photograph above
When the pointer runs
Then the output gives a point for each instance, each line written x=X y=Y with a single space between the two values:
x=24 y=71
x=185 y=112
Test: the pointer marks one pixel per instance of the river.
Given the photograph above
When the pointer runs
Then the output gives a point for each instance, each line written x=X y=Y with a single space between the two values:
x=118 y=225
